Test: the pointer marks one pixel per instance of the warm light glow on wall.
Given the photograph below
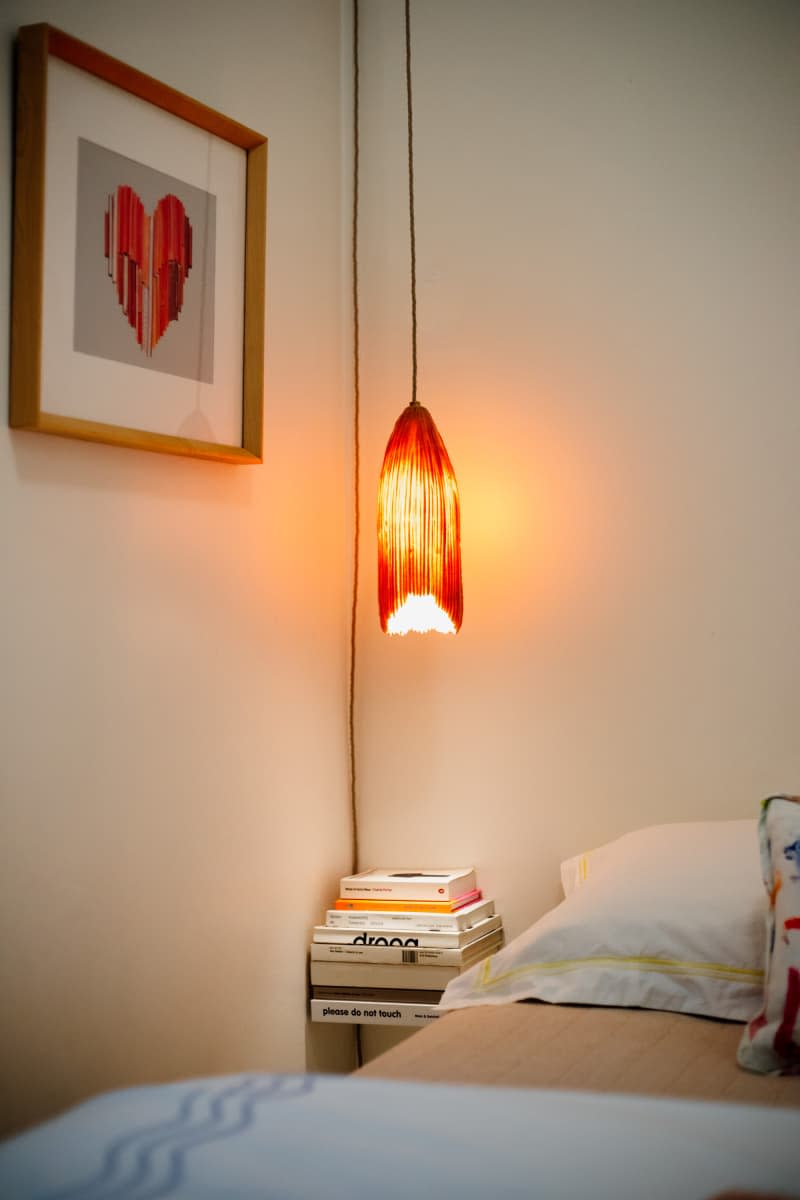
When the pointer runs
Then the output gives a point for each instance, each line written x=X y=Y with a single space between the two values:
x=419 y=530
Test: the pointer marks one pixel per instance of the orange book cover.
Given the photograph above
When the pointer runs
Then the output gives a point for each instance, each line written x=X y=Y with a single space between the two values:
x=432 y=906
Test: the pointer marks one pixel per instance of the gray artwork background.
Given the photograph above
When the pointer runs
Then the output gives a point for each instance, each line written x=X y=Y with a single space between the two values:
x=186 y=347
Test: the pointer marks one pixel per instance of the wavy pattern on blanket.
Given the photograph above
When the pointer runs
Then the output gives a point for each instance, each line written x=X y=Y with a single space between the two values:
x=148 y=1163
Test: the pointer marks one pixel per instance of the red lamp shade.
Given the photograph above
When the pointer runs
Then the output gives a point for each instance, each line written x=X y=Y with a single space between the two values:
x=419 y=530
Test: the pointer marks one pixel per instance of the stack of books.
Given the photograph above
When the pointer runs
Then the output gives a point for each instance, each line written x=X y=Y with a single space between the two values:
x=393 y=942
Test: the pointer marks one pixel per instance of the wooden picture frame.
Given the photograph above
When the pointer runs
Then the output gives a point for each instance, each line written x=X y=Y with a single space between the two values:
x=132 y=325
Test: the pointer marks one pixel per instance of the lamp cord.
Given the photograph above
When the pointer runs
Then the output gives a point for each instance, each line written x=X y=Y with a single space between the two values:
x=356 y=379
x=411 y=220
x=356 y=488
x=357 y=400
x=356 y=454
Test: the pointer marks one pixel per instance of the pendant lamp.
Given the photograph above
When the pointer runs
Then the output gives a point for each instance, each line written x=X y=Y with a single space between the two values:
x=419 y=519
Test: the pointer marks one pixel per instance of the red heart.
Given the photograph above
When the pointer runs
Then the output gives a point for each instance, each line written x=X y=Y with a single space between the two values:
x=149 y=259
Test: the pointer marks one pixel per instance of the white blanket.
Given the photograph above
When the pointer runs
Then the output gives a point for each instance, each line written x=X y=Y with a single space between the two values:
x=336 y=1138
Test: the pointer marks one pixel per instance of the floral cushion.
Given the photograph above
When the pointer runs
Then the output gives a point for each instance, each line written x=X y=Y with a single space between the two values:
x=771 y=1040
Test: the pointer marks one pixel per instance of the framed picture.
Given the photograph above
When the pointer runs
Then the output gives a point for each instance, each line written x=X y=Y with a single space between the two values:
x=137 y=314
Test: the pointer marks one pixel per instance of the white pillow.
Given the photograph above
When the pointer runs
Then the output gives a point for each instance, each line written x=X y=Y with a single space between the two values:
x=669 y=917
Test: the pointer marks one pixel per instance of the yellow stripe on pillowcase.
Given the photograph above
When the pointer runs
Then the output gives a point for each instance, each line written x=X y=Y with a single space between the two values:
x=663 y=966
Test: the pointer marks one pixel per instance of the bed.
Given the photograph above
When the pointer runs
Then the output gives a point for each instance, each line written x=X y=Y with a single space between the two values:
x=541 y=1045
x=640 y=1040
x=666 y=971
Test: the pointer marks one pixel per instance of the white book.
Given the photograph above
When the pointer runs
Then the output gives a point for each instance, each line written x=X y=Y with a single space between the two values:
x=384 y=884
x=435 y=956
x=433 y=938
x=383 y=975
x=462 y=918
x=359 y=1012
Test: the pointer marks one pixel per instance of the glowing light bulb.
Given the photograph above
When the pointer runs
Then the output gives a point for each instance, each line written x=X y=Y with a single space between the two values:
x=420 y=614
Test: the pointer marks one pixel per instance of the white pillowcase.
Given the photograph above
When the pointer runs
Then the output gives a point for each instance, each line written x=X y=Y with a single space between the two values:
x=670 y=917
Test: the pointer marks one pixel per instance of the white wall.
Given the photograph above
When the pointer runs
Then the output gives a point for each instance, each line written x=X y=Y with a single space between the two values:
x=607 y=200
x=608 y=291
x=173 y=796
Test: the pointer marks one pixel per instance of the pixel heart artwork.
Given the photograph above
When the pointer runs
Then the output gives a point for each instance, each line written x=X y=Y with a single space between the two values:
x=145 y=256
x=149 y=258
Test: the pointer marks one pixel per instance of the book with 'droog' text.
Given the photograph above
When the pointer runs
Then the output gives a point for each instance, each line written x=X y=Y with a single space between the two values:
x=394 y=935
x=379 y=951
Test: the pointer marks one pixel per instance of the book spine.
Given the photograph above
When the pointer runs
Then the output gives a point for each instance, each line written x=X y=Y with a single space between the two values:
x=399 y=955
x=382 y=975
x=379 y=995
x=413 y=906
x=352 y=888
x=348 y=1012
x=433 y=922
